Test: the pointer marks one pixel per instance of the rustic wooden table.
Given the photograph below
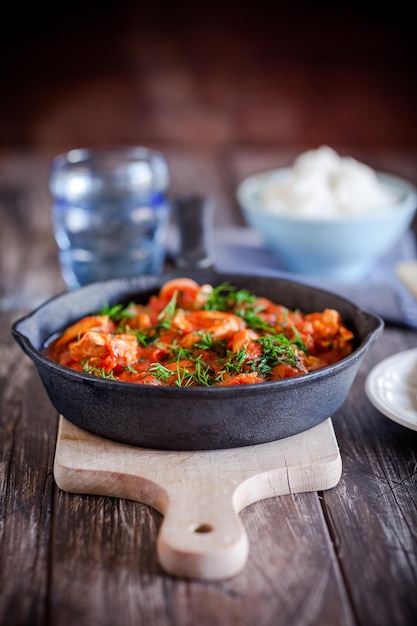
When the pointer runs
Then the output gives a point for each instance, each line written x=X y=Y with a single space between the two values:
x=346 y=556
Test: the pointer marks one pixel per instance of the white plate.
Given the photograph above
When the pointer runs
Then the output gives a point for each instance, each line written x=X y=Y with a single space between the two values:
x=391 y=386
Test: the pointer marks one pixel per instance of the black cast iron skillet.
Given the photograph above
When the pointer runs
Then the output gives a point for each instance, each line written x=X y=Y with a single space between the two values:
x=195 y=418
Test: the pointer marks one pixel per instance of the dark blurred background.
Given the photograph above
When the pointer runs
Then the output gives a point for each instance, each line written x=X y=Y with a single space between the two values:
x=209 y=76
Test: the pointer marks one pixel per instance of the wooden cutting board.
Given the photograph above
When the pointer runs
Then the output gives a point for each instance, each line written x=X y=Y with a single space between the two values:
x=200 y=494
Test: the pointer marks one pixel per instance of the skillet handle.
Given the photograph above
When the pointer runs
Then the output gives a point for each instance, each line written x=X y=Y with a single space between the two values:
x=194 y=216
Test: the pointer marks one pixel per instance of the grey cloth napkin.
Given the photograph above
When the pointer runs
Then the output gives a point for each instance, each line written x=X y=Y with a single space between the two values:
x=241 y=251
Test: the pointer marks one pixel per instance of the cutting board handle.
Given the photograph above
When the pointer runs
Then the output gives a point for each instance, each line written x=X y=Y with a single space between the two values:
x=202 y=535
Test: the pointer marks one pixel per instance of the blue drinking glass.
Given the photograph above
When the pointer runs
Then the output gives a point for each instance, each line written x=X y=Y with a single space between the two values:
x=110 y=212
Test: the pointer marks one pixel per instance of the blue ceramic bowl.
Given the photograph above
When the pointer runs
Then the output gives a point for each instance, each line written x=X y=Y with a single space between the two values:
x=337 y=248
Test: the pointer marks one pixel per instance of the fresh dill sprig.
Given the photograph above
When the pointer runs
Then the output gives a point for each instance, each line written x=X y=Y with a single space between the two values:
x=160 y=371
x=206 y=341
x=166 y=315
x=183 y=376
x=144 y=338
x=253 y=320
x=96 y=371
x=226 y=297
x=203 y=374
x=232 y=363
x=276 y=349
x=117 y=312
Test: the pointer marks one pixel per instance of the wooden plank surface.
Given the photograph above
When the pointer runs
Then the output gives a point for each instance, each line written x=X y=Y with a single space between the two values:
x=28 y=425
x=374 y=512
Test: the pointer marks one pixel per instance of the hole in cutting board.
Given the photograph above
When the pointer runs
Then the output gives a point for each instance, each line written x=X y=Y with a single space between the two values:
x=203 y=528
